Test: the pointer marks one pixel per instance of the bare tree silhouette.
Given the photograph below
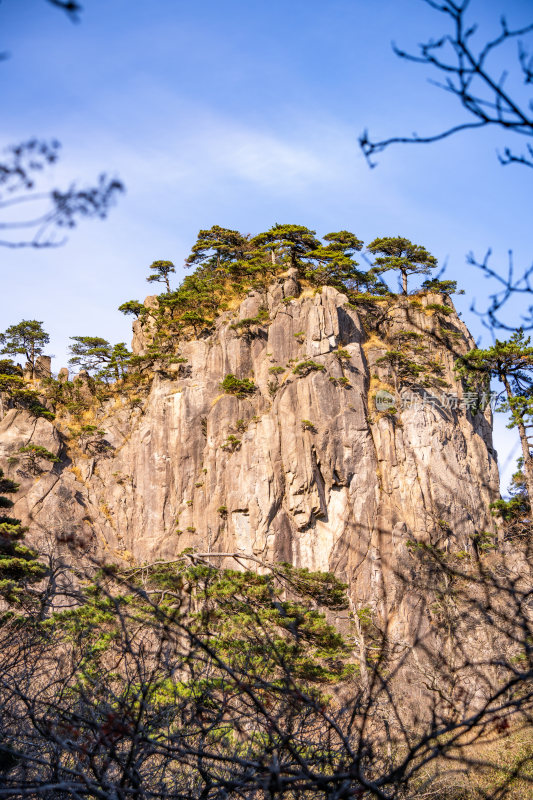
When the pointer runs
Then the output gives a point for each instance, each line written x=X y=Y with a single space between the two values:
x=469 y=75
x=44 y=213
x=492 y=97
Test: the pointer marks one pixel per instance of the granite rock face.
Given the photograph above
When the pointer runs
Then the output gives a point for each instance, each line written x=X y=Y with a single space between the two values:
x=303 y=469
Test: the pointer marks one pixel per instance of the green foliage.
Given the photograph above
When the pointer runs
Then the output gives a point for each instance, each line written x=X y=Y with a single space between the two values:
x=397 y=253
x=239 y=605
x=342 y=355
x=39 y=452
x=446 y=310
x=323 y=587
x=68 y=395
x=27 y=338
x=294 y=241
x=334 y=264
x=483 y=541
x=217 y=247
x=441 y=287
x=132 y=307
x=266 y=628
x=246 y=324
x=9 y=370
x=232 y=443
x=161 y=271
x=97 y=356
x=276 y=370
x=7 y=486
x=90 y=438
x=87 y=431
x=405 y=337
x=305 y=367
x=511 y=362
x=363 y=298
x=515 y=513
x=307 y=425
x=342 y=381
x=448 y=333
x=228 y=264
x=19 y=567
x=240 y=387
x=404 y=367
x=33 y=454
x=18 y=393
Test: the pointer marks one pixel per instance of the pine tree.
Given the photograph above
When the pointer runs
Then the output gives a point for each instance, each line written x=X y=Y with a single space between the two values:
x=515 y=513
x=97 y=356
x=162 y=270
x=19 y=566
x=26 y=338
x=511 y=363
x=131 y=307
x=441 y=287
x=336 y=264
x=401 y=254
x=217 y=247
x=295 y=241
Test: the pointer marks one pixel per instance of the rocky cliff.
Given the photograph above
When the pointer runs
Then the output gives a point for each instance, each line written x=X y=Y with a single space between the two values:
x=298 y=465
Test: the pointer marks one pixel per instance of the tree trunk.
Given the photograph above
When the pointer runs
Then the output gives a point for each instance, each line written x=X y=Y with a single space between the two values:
x=528 y=460
x=167 y=283
x=404 y=282
x=293 y=259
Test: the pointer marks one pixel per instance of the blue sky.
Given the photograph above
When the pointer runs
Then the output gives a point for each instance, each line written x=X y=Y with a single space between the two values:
x=243 y=114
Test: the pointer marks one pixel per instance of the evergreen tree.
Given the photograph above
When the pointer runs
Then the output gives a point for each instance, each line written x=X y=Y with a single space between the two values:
x=218 y=247
x=97 y=356
x=441 y=287
x=336 y=264
x=132 y=307
x=19 y=566
x=344 y=241
x=15 y=391
x=26 y=338
x=162 y=270
x=515 y=513
x=511 y=363
x=395 y=252
x=295 y=241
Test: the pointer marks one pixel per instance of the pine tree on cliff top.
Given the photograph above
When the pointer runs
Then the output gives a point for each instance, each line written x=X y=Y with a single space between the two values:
x=295 y=241
x=395 y=252
x=336 y=265
x=216 y=247
x=162 y=269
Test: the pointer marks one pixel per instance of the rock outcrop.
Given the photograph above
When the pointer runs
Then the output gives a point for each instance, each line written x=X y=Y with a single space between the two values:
x=304 y=468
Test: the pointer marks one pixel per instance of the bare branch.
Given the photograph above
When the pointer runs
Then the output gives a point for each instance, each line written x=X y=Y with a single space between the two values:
x=479 y=90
